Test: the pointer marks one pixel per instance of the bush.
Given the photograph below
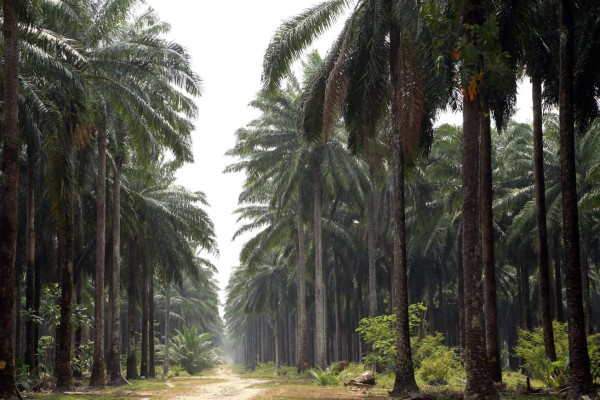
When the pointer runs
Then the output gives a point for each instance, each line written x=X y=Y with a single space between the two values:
x=530 y=348
x=193 y=352
x=439 y=366
x=435 y=362
x=325 y=378
x=594 y=349
x=380 y=334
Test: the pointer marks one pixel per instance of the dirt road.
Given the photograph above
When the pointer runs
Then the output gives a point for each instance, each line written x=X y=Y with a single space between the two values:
x=232 y=387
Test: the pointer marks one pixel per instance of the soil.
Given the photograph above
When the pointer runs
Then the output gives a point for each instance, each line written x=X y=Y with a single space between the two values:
x=231 y=386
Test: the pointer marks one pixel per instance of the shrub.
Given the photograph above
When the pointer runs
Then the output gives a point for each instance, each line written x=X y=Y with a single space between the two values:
x=193 y=352
x=325 y=378
x=380 y=334
x=530 y=348
x=594 y=349
x=441 y=364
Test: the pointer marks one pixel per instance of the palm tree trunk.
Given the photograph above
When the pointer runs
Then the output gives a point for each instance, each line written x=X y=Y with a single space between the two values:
x=560 y=315
x=585 y=284
x=145 y=292
x=276 y=336
x=526 y=320
x=98 y=377
x=167 y=315
x=36 y=307
x=336 y=305
x=487 y=246
x=131 y=310
x=30 y=350
x=581 y=382
x=151 y=353
x=302 y=341
x=64 y=373
x=460 y=288
x=479 y=383
x=320 y=324
x=405 y=377
x=115 y=307
x=371 y=247
x=8 y=207
x=540 y=212
x=78 y=373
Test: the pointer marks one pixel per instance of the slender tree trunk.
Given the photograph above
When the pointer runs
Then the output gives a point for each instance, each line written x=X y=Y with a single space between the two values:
x=302 y=319
x=540 y=212
x=585 y=284
x=98 y=377
x=405 y=377
x=8 y=207
x=151 y=327
x=560 y=315
x=78 y=372
x=479 y=383
x=144 y=352
x=131 y=310
x=460 y=288
x=579 y=362
x=487 y=245
x=115 y=308
x=430 y=308
x=30 y=350
x=371 y=248
x=64 y=373
x=336 y=305
x=525 y=296
x=277 y=337
x=167 y=318
x=320 y=324
x=442 y=315
x=17 y=312
x=36 y=307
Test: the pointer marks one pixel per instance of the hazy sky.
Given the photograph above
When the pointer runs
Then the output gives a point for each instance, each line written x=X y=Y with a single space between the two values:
x=227 y=40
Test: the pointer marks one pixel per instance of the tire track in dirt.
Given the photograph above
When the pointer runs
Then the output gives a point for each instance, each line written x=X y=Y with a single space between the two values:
x=231 y=387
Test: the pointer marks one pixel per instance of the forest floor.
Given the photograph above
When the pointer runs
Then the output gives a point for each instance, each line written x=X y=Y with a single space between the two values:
x=233 y=383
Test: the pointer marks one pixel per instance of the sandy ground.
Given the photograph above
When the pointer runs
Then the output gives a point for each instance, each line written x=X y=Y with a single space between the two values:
x=232 y=387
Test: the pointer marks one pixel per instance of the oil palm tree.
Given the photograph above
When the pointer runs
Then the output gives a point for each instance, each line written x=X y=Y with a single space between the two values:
x=8 y=208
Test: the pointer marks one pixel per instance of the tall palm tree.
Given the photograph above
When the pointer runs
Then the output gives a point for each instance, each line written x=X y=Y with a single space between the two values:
x=479 y=382
x=578 y=354
x=10 y=182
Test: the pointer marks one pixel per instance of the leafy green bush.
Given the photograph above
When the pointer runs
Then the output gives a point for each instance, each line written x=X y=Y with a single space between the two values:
x=380 y=334
x=439 y=366
x=530 y=348
x=193 y=352
x=435 y=362
x=325 y=378
x=594 y=349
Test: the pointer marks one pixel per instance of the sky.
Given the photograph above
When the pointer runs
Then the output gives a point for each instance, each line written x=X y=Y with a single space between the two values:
x=227 y=40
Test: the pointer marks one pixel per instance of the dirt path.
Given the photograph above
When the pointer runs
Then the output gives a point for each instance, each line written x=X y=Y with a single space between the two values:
x=232 y=387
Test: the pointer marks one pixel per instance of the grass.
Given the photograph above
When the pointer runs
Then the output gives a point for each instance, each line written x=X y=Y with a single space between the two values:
x=156 y=389
x=289 y=385
x=293 y=386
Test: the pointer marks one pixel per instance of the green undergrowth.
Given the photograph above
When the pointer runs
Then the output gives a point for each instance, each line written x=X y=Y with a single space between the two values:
x=156 y=389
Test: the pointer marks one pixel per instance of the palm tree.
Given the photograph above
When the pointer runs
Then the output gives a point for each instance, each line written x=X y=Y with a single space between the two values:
x=281 y=176
x=8 y=208
x=479 y=382
x=578 y=355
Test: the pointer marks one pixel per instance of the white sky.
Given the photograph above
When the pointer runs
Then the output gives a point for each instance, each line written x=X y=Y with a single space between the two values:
x=227 y=40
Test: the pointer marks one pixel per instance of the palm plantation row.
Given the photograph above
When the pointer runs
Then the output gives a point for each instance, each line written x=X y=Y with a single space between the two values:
x=388 y=220
x=98 y=110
